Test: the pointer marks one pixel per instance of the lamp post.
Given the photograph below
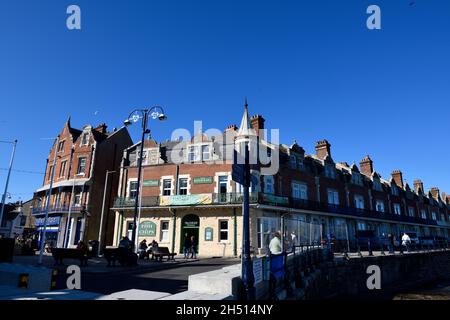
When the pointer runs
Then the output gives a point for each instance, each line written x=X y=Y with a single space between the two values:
x=47 y=207
x=155 y=112
x=247 y=264
x=103 y=213
x=14 y=143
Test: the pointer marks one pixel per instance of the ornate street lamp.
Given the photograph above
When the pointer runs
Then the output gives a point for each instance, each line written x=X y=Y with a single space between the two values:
x=155 y=112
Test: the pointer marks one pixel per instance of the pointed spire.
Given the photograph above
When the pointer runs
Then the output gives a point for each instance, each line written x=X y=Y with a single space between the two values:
x=246 y=128
x=68 y=121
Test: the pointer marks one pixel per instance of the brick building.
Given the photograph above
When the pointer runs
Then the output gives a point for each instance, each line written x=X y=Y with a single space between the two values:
x=83 y=157
x=187 y=188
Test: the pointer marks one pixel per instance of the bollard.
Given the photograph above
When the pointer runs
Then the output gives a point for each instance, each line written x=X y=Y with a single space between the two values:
x=23 y=280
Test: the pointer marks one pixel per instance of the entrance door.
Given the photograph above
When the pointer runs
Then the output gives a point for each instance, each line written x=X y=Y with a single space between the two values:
x=190 y=227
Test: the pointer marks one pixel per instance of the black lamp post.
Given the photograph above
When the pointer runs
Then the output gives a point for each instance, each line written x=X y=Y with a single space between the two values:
x=155 y=112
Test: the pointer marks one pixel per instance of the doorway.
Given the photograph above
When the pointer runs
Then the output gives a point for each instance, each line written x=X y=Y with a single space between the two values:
x=190 y=225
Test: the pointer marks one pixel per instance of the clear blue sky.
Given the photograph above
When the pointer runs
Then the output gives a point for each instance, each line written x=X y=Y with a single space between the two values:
x=311 y=68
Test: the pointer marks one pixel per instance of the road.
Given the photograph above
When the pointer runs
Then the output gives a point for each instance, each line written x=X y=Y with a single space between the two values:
x=172 y=279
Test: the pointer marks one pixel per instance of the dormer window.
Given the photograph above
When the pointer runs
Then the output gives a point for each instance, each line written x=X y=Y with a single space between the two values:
x=199 y=152
x=61 y=146
x=293 y=162
x=357 y=179
x=330 y=171
x=377 y=185
x=206 y=153
x=394 y=190
x=85 y=139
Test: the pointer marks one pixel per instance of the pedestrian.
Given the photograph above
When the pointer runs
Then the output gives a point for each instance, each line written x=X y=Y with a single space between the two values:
x=406 y=240
x=193 y=248
x=187 y=245
x=143 y=249
x=391 y=243
x=275 y=244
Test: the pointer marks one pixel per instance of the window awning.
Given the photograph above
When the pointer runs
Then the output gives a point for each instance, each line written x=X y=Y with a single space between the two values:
x=66 y=183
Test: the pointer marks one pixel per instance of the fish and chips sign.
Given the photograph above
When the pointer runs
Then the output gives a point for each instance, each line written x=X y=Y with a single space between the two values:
x=186 y=200
x=147 y=229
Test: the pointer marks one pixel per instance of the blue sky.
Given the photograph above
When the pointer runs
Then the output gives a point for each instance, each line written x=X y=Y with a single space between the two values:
x=310 y=67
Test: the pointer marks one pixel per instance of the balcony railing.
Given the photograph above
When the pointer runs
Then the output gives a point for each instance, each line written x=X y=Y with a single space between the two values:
x=266 y=199
x=58 y=209
x=186 y=200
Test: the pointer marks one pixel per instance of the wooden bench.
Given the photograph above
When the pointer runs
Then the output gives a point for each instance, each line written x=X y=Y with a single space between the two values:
x=59 y=254
x=161 y=252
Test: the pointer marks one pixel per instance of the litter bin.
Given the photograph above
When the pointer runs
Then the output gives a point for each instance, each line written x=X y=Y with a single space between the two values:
x=6 y=249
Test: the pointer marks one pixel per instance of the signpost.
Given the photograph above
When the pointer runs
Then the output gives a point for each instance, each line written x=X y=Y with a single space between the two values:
x=241 y=175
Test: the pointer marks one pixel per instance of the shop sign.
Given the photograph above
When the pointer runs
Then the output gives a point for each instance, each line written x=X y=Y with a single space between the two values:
x=147 y=229
x=202 y=180
x=51 y=221
x=186 y=200
x=275 y=199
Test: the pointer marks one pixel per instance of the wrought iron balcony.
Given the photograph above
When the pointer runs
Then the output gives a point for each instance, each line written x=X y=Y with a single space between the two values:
x=266 y=199
x=186 y=200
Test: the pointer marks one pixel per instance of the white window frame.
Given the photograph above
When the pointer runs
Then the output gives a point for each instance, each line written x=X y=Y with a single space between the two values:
x=188 y=184
x=172 y=184
x=411 y=211
x=62 y=173
x=81 y=173
x=293 y=161
x=166 y=189
x=83 y=135
x=130 y=181
x=78 y=195
x=164 y=235
x=227 y=230
x=434 y=215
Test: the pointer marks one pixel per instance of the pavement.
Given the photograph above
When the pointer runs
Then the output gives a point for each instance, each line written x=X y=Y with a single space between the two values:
x=365 y=254
x=167 y=276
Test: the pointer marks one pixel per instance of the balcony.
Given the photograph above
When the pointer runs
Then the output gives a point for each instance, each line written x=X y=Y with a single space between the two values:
x=266 y=199
x=58 y=209
x=186 y=200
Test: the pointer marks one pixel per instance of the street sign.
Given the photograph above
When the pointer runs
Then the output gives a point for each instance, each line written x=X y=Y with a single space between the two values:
x=238 y=169
x=237 y=173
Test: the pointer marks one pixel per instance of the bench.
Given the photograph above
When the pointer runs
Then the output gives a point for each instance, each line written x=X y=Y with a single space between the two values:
x=161 y=252
x=64 y=253
x=124 y=256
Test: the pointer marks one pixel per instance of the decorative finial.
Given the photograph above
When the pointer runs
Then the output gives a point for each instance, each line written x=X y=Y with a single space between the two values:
x=246 y=104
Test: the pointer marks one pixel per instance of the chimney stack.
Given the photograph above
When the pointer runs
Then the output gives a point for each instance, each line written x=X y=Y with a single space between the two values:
x=257 y=123
x=435 y=192
x=398 y=178
x=418 y=186
x=366 y=166
x=323 y=149
x=101 y=128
